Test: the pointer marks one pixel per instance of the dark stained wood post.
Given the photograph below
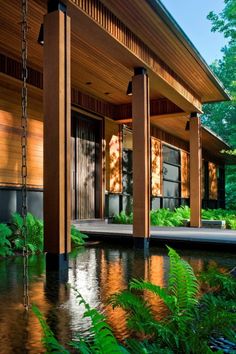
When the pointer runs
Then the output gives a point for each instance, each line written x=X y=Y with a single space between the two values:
x=195 y=170
x=141 y=157
x=57 y=135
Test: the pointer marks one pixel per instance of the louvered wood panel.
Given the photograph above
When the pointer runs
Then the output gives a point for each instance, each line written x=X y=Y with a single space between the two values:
x=113 y=157
x=185 y=174
x=86 y=155
x=203 y=179
x=156 y=167
x=213 y=183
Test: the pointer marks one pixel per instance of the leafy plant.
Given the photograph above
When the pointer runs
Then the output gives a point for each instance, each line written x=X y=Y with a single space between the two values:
x=5 y=245
x=103 y=341
x=50 y=342
x=34 y=233
x=194 y=323
x=123 y=218
x=77 y=237
x=191 y=322
x=176 y=217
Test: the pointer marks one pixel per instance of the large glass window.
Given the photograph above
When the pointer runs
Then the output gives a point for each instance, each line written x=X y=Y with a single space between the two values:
x=171 y=172
x=171 y=177
x=170 y=155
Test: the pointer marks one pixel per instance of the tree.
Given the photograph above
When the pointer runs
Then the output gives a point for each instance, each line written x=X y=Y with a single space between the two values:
x=221 y=117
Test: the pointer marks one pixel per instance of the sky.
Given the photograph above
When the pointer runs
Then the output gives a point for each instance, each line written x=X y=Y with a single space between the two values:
x=191 y=16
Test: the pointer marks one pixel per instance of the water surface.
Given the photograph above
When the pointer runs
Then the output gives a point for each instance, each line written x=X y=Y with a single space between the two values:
x=96 y=272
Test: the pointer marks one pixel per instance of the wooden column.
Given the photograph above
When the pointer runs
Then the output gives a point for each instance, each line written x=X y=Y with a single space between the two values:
x=141 y=157
x=57 y=135
x=195 y=170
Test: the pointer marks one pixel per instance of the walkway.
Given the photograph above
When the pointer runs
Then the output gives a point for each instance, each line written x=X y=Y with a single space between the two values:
x=102 y=230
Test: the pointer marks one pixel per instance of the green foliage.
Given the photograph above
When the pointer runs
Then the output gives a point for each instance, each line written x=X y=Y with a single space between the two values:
x=5 y=244
x=221 y=214
x=12 y=240
x=34 y=233
x=103 y=341
x=223 y=283
x=165 y=217
x=77 y=237
x=176 y=217
x=220 y=117
x=123 y=218
x=50 y=342
x=192 y=323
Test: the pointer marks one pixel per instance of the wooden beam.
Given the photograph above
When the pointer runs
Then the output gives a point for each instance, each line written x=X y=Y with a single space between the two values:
x=116 y=41
x=195 y=170
x=141 y=157
x=57 y=135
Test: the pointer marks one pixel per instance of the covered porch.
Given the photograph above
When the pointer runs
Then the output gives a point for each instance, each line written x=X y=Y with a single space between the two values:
x=91 y=51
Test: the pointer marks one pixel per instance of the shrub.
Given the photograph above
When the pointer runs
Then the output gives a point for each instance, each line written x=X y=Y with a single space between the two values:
x=5 y=244
x=194 y=323
x=77 y=237
x=176 y=217
x=34 y=233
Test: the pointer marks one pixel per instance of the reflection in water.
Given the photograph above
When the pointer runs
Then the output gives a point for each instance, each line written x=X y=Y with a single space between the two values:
x=97 y=273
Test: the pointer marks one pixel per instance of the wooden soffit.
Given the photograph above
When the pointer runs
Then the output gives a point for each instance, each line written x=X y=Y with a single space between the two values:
x=99 y=28
x=154 y=25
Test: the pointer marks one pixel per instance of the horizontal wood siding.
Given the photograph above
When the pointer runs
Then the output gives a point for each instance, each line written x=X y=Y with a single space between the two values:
x=10 y=146
x=213 y=184
x=156 y=167
x=168 y=138
x=185 y=175
x=10 y=139
x=113 y=157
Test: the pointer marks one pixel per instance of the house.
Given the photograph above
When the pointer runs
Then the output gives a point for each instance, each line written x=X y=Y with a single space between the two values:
x=115 y=85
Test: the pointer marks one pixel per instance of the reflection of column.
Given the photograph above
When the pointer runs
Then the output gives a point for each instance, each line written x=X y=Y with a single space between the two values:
x=141 y=157
x=57 y=292
x=57 y=135
x=112 y=280
x=195 y=170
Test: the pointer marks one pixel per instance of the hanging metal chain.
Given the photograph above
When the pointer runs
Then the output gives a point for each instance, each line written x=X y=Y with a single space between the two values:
x=24 y=122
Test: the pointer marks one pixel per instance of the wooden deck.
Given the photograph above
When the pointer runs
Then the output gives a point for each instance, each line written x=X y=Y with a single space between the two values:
x=184 y=235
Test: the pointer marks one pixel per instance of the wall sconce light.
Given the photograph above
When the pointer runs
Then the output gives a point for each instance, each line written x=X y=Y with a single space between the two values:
x=187 y=126
x=129 y=89
x=41 y=35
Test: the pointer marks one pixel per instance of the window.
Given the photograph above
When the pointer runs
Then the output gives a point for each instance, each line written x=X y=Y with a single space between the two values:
x=171 y=177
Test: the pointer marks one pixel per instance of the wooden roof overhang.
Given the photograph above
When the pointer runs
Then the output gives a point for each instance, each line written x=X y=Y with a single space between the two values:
x=212 y=144
x=108 y=42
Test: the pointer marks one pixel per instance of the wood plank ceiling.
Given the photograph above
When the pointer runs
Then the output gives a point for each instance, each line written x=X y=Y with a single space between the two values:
x=161 y=39
x=102 y=74
x=93 y=72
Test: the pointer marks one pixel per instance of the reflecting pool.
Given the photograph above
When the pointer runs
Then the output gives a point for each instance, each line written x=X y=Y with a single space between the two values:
x=96 y=272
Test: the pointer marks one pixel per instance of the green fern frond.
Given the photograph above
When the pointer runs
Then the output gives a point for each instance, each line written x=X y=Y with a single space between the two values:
x=103 y=339
x=145 y=347
x=154 y=289
x=49 y=340
x=183 y=283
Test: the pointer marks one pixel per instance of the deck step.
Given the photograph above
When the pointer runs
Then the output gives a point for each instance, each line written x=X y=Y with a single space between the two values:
x=209 y=224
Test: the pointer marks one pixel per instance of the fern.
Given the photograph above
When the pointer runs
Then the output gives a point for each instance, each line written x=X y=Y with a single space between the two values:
x=77 y=237
x=103 y=339
x=49 y=340
x=193 y=324
x=5 y=244
x=34 y=233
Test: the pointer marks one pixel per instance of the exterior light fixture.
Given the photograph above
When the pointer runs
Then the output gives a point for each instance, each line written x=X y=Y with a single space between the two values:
x=41 y=35
x=129 y=89
x=187 y=126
